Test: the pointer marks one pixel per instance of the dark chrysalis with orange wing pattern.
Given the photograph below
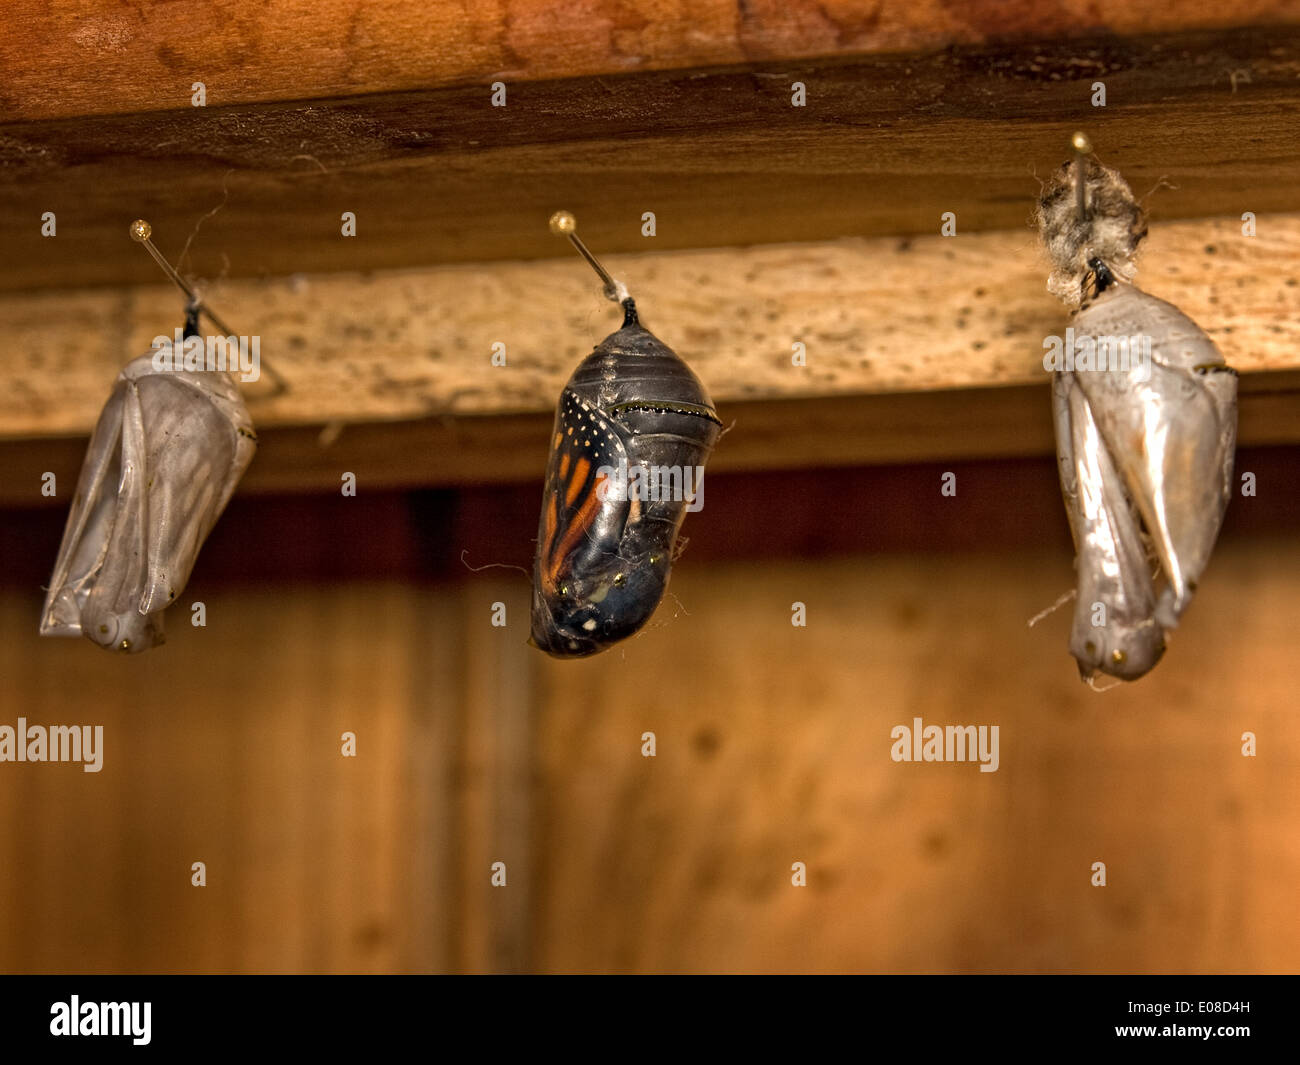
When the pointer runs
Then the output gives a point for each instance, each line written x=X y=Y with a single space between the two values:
x=604 y=545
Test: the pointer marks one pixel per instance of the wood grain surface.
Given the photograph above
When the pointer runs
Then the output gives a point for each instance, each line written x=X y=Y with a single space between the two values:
x=885 y=145
x=223 y=746
x=874 y=316
x=84 y=57
x=916 y=350
x=781 y=754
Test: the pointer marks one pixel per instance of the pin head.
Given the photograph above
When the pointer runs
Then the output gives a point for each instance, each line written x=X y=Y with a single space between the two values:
x=1081 y=143
x=141 y=230
x=563 y=223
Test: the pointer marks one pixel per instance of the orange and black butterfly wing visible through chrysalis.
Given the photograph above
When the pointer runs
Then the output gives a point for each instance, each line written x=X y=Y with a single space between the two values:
x=633 y=430
x=580 y=525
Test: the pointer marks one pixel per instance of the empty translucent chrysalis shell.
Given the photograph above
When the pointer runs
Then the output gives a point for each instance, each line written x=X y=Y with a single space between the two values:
x=1146 y=423
x=605 y=546
x=163 y=461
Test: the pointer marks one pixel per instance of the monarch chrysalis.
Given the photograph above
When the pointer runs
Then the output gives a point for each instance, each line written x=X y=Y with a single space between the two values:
x=1146 y=421
x=163 y=461
x=633 y=430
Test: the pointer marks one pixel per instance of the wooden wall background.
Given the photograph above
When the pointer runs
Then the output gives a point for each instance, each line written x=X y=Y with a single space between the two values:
x=773 y=746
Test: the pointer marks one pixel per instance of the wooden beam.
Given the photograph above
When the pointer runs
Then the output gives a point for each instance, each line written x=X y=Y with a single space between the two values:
x=948 y=425
x=917 y=350
x=141 y=59
x=876 y=317
x=885 y=144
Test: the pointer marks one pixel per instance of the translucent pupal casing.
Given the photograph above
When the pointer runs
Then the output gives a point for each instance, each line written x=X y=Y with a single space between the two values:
x=1153 y=441
x=1172 y=437
x=604 y=555
x=1114 y=629
x=163 y=461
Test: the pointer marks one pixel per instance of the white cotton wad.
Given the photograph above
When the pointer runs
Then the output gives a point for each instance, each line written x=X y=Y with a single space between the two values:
x=1113 y=229
x=163 y=461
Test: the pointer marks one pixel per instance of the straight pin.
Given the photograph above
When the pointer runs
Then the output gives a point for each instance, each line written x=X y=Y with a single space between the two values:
x=1082 y=149
x=142 y=233
x=563 y=224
